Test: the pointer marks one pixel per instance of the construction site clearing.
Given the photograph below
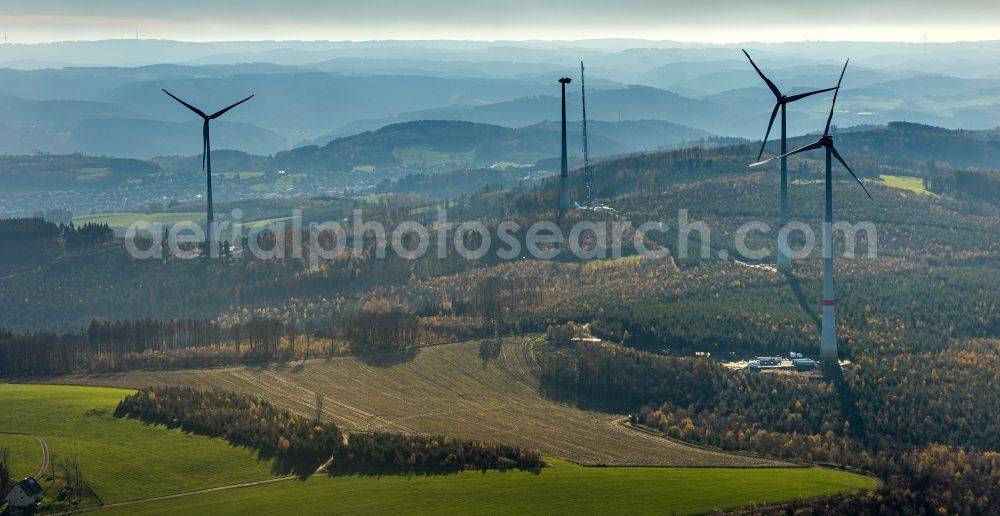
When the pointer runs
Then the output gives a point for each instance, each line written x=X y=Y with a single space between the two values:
x=793 y=363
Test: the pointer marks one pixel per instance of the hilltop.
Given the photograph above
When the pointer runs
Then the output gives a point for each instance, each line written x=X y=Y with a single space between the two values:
x=448 y=144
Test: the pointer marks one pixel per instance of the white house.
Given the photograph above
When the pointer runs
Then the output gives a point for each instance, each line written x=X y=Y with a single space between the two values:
x=26 y=493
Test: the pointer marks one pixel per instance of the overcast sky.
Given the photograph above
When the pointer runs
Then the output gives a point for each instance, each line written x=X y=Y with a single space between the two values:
x=719 y=21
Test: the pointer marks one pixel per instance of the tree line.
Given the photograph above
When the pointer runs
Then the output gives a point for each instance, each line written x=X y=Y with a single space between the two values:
x=190 y=343
x=309 y=441
x=34 y=241
x=241 y=420
x=104 y=346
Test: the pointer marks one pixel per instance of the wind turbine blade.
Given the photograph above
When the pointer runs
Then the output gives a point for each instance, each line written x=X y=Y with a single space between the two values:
x=219 y=113
x=793 y=98
x=834 y=103
x=189 y=106
x=774 y=113
x=844 y=163
x=774 y=89
x=809 y=147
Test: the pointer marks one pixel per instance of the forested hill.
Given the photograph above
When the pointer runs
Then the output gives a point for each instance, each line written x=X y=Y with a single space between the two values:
x=715 y=184
x=451 y=144
x=905 y=144
x=899 y=148
x=429 y=143
x=903 y=141
x=432 y=146
x=65 y=172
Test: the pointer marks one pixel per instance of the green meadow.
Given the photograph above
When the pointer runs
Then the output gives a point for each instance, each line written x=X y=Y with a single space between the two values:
x=423 y=156
x=242 y=176
x=25 y=455
x=907 y=183
x=125 y=460
x=120 y=459
x=126 y=219
x=562 y=488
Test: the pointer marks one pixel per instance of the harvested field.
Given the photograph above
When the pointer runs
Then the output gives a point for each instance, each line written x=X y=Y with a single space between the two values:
x=446 y=389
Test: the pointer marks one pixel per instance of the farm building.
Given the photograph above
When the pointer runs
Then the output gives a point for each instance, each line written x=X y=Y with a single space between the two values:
x=804 y=364
x=25 y=494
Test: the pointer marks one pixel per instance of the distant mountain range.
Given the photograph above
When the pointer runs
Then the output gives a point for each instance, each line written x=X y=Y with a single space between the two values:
x=631 y=103
x=309 y=93
x=137 y=138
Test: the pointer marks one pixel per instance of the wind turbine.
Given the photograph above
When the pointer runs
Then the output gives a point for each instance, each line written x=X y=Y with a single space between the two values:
x=828 y=345
x=206 y=157
x=781 y=101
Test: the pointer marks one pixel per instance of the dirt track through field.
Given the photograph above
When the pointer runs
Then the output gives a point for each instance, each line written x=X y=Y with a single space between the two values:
x=46 y=454
x=186 y=493
x=446 y=389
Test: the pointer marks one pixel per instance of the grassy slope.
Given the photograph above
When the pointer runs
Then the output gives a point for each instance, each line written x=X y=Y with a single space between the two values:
x=907 y=183
x=25 y=455
x=121 y=459
x=562 y=489
x=126 y=219
x=409 y=156
x=243 y=176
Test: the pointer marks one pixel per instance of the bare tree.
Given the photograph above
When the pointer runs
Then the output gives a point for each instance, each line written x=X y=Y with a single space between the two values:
x=310 y=329
x=292 y=334
x=319 y=406
x=78 y=476
x=66 y=471
x=5 y=483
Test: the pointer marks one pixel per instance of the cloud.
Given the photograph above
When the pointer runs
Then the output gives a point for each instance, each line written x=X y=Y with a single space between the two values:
x=707 y=20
